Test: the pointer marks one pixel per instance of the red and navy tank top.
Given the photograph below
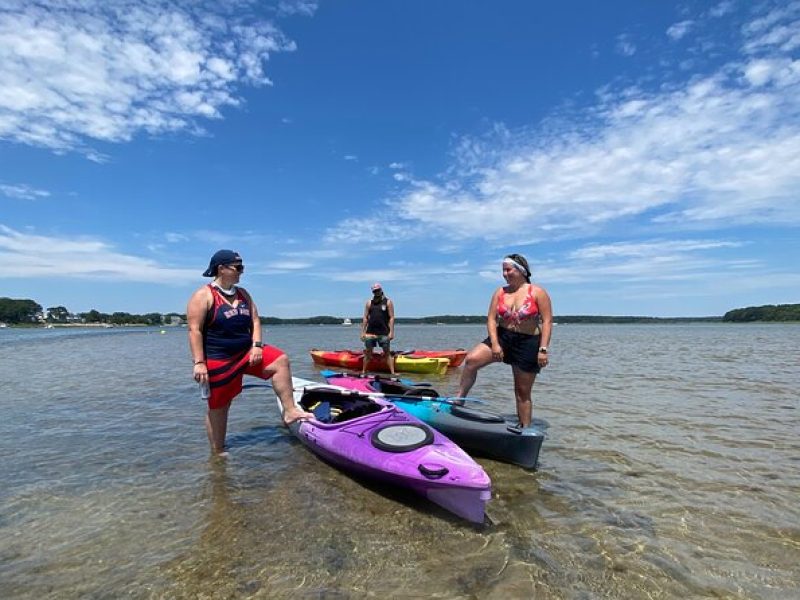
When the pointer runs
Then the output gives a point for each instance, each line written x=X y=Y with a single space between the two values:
x=228 y=329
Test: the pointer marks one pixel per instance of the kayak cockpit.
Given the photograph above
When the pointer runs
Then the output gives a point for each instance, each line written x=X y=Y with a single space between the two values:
x=393 y=387
x=332 y=406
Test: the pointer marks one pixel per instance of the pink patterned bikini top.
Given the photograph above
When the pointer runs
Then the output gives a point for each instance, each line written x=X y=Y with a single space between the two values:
x=529 y=309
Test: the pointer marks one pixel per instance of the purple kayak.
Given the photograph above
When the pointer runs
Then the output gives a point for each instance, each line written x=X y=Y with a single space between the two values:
x=367 y=435
x=479 y=432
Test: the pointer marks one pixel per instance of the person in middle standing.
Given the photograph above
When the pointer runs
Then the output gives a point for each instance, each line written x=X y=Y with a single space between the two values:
x=377 y=327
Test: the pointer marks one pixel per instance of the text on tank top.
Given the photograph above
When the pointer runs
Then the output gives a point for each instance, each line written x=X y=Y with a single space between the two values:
x=228 y=329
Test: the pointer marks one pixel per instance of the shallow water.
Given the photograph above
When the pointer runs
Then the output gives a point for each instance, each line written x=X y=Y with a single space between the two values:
x=670 y=470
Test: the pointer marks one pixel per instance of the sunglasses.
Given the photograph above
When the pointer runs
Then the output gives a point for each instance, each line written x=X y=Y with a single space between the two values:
x=239 y=268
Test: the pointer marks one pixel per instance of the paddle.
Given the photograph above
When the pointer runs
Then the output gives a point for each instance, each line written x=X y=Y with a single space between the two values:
x=451 y=400
x=326 y=373
x=454 y=400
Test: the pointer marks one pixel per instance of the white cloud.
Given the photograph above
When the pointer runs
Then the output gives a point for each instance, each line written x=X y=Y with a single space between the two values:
x=372 y=230
x=316 y=254
x=22 y=191
x=408 y=273
x=76 y=71
x=648 y=249
x=779 y=29
x=625 y=46
x=288 y=265
x=679 y=30
x=175 y=238
x=650 y=262
x=297 y=7
x=351 y=157
x=722 y=149
x=31 y=256
x=722 y=9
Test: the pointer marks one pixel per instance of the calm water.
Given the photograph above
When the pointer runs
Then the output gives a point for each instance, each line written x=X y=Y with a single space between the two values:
x=671 y=470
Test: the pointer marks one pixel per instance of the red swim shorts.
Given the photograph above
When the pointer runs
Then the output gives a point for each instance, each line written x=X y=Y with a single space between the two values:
x=225 y=376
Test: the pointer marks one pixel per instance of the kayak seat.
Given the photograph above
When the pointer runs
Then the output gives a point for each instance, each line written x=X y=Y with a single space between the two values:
x=359 y=410
x=332 y=406
x=322 y=412
x=476 y=415
x=397 y=388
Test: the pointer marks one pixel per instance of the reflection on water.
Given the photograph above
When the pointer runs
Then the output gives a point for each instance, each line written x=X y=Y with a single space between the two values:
x=670 y=470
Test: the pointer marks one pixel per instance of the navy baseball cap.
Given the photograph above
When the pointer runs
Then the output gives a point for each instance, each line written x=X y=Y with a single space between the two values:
x=221 y=257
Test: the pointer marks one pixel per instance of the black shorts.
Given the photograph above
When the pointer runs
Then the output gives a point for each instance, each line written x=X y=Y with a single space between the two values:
x=519 y=349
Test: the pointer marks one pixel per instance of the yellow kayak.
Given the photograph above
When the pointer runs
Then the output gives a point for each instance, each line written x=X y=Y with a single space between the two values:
x=403 y=364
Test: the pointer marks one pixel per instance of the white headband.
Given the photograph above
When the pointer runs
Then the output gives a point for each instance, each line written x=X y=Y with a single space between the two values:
x=516 y=265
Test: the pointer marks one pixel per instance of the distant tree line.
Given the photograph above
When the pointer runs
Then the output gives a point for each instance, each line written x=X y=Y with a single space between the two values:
x=480 y=319
x=328 y=320
x=320 y=320
x=624 y=320
x=25 y=311
x=768 y=312
x=18 y=311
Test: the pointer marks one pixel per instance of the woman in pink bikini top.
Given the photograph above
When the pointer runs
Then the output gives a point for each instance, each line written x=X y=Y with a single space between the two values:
x=513 y=317
x=519 y=324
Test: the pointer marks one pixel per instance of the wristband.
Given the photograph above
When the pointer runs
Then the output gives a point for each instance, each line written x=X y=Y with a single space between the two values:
x=199 y=362
x=257 y=344
x=543 y=350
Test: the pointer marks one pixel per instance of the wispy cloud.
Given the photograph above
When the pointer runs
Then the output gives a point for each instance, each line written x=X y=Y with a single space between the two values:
x=648 y=249
x=779 y=29
x=374 y=230
x=312 y=254
x=31 y=255
x=625 y=45
x=175 y=238
x=650 y=262
x=678 y=30
x=22 y=191
x=280 y=266
x=78 y=71
x=297 y=7
x=719 y=150
x=722 y=9
x=407 y=273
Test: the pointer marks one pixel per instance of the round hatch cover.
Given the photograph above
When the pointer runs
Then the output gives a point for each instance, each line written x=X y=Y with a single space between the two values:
x=402 y=438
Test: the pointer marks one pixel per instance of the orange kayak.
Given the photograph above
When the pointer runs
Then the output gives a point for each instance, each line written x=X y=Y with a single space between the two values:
x=353 y=360
x=456 y=357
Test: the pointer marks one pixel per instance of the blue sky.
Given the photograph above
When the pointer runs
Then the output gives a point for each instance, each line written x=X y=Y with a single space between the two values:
x=644 y=156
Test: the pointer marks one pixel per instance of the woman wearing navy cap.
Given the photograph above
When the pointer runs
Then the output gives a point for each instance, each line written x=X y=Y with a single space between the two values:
x=225 y=340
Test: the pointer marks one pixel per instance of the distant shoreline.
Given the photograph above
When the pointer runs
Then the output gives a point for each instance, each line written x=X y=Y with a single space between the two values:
x=283 y=322
x=27 y=313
